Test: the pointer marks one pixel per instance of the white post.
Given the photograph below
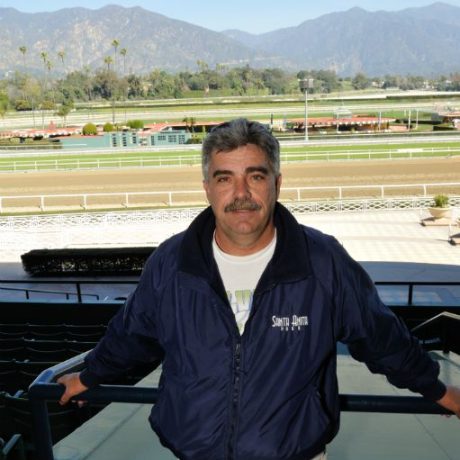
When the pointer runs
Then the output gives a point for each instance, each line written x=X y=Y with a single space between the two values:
x=304 y=84
x=306 y=114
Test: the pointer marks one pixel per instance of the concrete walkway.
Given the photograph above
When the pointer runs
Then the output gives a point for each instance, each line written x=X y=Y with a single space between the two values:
x=371 y=236
x=391 y=245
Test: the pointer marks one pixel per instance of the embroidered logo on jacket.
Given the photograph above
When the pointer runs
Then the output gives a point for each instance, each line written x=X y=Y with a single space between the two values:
x=290 y=323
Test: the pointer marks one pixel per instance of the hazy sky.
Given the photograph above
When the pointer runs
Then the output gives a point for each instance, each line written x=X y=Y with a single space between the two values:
x=250 y=15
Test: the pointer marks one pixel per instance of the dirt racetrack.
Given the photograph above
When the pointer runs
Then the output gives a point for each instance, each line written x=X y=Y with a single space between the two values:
x=317 y=174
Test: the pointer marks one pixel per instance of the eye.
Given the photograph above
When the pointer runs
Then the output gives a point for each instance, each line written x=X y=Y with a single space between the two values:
x=258 y=177
x=222 y=179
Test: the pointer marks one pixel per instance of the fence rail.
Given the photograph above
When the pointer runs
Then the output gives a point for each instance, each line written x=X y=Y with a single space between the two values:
x=162 y=199
x=135 y=161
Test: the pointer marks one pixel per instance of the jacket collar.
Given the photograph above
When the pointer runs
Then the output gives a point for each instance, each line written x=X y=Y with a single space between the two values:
x=290 y=261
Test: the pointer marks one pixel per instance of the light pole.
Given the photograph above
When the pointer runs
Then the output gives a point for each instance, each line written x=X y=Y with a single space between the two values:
x=304 y=85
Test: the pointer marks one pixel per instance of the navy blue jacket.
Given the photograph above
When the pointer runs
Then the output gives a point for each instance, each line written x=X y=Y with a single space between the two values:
x=270 y=393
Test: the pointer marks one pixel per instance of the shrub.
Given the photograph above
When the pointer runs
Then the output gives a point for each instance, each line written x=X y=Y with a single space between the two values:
x=194 y=140
x=22 y=105
x=90 y=129
x=441 y=201
x=135 y=124
x=444 y=127
x=108 y=128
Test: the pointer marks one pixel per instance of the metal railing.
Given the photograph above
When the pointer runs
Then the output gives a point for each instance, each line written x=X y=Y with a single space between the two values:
x=411 y=285
x=78 y=293
x=78 y=284
x=441 y=332
x=67 y=295
x=169 y=198
x=43 y=389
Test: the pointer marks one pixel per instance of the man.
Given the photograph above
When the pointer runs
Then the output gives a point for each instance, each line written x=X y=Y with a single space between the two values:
x=247 y=306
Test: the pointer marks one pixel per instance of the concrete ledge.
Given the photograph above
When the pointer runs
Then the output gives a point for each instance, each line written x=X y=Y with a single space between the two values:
x=441 y=222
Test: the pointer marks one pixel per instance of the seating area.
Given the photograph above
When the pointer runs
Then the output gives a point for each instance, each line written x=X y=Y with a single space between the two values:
x=13 y=449
x=16 y=416
x=52 y=333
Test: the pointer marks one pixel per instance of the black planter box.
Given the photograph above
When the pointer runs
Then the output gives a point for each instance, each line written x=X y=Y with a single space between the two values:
x=86 y=261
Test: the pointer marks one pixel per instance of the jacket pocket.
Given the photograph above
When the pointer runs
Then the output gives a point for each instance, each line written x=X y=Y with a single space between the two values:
x=296 y=424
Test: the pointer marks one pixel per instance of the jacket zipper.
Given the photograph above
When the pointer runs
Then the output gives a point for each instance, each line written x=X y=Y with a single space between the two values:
x=236 y=390
x=236 y=386
x=235 y=398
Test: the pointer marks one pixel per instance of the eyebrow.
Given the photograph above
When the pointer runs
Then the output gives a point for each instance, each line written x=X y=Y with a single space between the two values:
x=249 y=170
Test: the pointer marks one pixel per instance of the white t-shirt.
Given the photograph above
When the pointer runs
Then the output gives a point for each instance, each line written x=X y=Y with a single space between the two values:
x=240 y=275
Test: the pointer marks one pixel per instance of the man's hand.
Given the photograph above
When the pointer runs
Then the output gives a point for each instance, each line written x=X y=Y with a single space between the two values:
x=73 y=386
x=451 y=400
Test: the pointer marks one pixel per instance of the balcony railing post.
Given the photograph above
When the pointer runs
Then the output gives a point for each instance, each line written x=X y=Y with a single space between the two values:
x=79 y=296
x=42 y=430
x=411 y=294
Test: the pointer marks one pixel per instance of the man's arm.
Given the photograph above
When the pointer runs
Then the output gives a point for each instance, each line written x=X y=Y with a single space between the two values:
x=130 y=340
x=73 y=386
x=451 y=400
x=377 y=337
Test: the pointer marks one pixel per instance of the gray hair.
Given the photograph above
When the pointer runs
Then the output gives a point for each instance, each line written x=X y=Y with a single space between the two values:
x=237 y=133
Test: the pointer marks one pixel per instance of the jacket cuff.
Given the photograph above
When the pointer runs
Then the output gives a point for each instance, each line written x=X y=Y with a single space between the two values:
x=435 y=392
x=89 y=379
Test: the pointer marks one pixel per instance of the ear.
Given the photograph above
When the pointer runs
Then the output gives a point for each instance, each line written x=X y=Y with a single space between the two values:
x=206 y=188
x=278 y=180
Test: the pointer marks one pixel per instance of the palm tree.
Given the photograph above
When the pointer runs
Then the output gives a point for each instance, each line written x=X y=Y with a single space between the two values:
x=23 y=50
x=44 y=56
x=115 y=44
x=61 y=55
x=49 y=66
x=190 y=123
x=123 y=52
x=108 y=61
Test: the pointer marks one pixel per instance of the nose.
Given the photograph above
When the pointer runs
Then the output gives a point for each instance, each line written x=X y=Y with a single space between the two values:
x=242 y=189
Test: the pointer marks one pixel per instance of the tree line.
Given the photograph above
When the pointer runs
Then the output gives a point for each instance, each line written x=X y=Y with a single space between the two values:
x=21 y=90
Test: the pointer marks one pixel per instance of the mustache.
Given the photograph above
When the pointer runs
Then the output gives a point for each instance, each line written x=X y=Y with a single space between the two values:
x=242 y=204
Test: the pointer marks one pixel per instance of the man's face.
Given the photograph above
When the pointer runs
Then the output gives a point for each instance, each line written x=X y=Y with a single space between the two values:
x=242 y=190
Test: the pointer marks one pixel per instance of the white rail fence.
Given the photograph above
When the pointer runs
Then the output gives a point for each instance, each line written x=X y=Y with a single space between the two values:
x=64 y=164
x=407 y=195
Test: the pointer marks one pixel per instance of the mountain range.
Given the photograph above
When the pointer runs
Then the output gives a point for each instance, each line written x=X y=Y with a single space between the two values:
x=417 y=41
